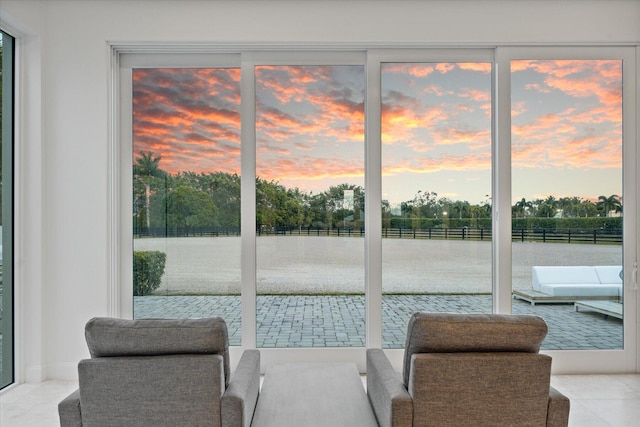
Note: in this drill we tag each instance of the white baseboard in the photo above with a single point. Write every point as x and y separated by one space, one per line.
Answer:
63 371
33 374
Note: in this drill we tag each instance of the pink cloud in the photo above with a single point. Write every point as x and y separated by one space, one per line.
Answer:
445 67
586 135
190 117
449 162
483 67
475 95
472 139
309 168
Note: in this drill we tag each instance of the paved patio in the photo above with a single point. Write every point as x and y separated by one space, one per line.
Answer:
338 320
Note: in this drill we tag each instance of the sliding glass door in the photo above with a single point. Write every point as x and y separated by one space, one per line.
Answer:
310 205
316 199
185 211
568 118
567 170
436 190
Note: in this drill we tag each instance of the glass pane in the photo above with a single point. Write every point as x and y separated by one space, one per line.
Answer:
566 195
436 191
310 206
6 210
186 194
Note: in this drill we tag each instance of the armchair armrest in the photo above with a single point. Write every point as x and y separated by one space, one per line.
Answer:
69 410
241 396
388 396
558 409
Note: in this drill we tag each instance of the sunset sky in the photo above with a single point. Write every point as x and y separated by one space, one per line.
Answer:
436 125
310 125
436 130
567 128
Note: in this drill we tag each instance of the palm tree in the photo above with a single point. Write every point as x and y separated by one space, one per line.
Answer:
521 207
586 208
548 207
462 208
546 210
146 168
568 205
608 204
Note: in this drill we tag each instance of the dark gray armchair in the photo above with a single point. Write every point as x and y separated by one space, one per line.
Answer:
467 369
161 373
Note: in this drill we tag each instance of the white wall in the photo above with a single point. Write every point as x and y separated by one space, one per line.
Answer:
63 153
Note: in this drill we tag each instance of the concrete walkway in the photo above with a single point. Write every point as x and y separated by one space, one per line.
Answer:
338 321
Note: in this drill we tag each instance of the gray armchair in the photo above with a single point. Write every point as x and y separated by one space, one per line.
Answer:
467 369
161 373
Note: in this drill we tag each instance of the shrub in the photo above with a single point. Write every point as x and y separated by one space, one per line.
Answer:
148 269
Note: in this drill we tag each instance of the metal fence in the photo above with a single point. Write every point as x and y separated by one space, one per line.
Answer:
575 235
544 235
185 231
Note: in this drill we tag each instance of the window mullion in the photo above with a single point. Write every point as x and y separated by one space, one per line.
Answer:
248 204
373 202
501 182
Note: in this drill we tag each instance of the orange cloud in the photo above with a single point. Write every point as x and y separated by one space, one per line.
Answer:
445 67
414 70
319 109
578 78
483 67
314 132
475 94
555 149
189 117
309 168
586 133
449 162
472 139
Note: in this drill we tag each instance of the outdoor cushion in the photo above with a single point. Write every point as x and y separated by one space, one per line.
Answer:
581 290
578 275
452 333
609 274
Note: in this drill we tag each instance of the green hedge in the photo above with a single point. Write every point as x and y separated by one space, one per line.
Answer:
148 269
605 223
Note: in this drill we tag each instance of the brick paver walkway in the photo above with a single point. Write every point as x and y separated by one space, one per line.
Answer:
338 320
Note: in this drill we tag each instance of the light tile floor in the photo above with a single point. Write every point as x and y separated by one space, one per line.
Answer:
596 401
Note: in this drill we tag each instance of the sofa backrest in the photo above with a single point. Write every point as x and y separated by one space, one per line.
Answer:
471 333
609 274
568 275
109 337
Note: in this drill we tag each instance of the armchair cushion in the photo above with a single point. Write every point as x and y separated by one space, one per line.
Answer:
480 389
109 337
172 390
453 333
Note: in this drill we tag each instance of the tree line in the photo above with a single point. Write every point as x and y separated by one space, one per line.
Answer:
188 199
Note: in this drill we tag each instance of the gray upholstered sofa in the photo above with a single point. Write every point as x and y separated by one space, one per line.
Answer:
467 369
161 373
